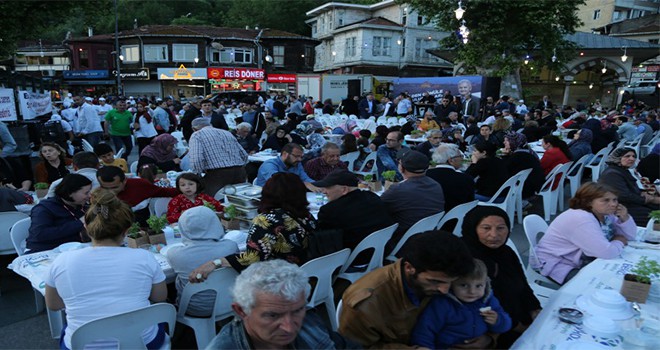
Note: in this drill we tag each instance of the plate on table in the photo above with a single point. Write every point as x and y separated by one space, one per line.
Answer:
166 248
65 247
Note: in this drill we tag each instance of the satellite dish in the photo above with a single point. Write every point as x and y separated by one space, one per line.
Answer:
216 45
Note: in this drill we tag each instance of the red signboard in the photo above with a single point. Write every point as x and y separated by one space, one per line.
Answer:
236 73
281 78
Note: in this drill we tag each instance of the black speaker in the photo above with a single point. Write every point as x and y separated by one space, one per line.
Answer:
354 87
490 87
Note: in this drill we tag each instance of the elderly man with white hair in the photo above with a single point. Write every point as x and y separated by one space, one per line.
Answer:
270 302
246 138
458 187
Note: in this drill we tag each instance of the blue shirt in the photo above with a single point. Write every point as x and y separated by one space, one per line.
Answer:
273 166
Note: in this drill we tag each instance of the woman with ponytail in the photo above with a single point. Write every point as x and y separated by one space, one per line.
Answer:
105 279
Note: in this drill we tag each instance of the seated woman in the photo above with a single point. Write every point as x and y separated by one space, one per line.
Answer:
190 189
581 144
53 165
519 157
59 219
486 230
556 152
649 167
202 238
276 141
491 171
105 279
348 144
618 176
595 226
161 152
280 231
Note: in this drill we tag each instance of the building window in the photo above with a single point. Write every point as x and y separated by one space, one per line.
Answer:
420 20
404 17
102 59
309 55
242 56
654 41
61 60
222 56
382 46
350 47
155 53
596 14
278 55
314 28
184 52
420 49
131 53
83 58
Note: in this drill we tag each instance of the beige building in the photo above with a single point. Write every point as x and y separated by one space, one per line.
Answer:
599 13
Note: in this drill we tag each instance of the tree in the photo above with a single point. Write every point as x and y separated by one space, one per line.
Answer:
503 32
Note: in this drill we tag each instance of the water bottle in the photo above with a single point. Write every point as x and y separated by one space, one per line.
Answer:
319 199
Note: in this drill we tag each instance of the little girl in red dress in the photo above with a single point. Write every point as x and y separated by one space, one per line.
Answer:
190 186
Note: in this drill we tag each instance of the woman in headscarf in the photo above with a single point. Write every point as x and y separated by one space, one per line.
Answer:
618 176
277 140
345 127
519 157
161 152
489 170
581 144
649 167
486 230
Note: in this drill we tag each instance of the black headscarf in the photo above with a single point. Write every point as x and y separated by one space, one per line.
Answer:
469 228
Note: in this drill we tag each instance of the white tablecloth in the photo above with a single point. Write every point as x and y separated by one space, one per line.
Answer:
409 139
548 332
262 156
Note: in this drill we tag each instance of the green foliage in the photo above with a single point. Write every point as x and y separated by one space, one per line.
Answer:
646 269
502 32
209 205
369 178
135 231
157 223
389 175
655 215
41 186
231 212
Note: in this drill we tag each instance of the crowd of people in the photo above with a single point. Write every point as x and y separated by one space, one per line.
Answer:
443 291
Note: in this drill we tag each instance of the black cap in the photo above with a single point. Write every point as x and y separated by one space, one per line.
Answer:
413 161
338 177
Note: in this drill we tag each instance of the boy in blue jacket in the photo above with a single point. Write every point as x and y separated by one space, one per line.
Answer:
467 312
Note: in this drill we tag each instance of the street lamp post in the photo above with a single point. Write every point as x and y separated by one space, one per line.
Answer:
120 91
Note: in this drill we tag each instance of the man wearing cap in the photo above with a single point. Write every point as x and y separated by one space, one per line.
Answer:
319 167
118 125
413 199
386 156
218 154
357 213
102 109
88 120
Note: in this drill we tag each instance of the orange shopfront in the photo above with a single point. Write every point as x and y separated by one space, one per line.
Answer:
235 79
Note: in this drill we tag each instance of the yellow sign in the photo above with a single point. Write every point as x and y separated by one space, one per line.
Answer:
181 73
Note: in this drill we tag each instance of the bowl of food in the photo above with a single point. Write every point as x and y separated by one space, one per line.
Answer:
606 303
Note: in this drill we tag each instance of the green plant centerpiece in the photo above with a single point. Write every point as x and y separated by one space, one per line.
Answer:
230 218
155 231
415 134
372 184
390 178
41 189
136 237
637 284
654 224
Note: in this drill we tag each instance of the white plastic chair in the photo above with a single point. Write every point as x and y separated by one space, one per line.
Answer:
7 220
644 149
509 202
349 159
363 169
158 205
597 162
133 168
19 232
126 328
262 139
543 294
520 185
552 197
635 144
426 224
353 117
221 281
391 121
381 120
178 135
533 225
574 175
87 147
120 153
458 212
402 121
375 241
322 269
340 306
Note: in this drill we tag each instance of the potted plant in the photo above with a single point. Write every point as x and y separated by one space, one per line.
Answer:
390 178
136 237
372 183
230 218
41 189
637 283
655 219
212 207
155 231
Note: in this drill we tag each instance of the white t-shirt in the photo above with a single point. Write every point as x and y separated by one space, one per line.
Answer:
105 108
96 282
146 129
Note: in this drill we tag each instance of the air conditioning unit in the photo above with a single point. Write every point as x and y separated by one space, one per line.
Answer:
48 73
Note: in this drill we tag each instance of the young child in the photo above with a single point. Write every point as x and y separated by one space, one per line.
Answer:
148 172
468 311
190 186
107 156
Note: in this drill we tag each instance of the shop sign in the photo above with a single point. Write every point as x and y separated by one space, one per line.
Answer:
181 73
133 73
85 74
282 78
236 73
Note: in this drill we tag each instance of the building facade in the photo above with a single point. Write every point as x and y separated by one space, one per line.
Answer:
599 13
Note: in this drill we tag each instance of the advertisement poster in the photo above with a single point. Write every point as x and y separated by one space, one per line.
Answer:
34 104
7 105
436 86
